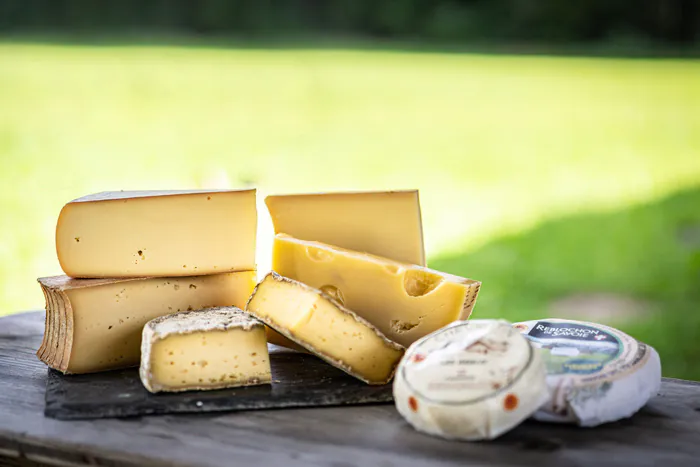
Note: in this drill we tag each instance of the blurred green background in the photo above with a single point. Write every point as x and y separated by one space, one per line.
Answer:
569 185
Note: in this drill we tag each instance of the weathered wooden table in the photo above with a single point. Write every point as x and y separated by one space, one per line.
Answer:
665 432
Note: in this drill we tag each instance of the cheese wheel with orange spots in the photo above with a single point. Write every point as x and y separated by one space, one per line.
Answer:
470 380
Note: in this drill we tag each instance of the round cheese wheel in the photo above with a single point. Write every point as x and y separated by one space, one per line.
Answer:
470 380
595 373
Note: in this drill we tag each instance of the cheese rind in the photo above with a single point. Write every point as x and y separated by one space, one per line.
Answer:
157 233
384 223
471 380
405 302
315 321
95 324
205 349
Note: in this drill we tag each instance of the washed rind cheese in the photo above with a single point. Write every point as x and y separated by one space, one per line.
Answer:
386 223
95 324
322 326
471 380
406 302
157 233
595 374
206 349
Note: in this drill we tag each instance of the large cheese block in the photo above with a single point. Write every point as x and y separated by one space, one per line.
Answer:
404 301
471 380
157 233
316 322
95 324
212 348
386 223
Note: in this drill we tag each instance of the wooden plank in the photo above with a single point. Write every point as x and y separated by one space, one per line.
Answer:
666 431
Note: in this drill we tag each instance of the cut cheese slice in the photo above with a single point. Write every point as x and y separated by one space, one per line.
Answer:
470 380
405 302
386 223
315 321
157 233
206 349
95 324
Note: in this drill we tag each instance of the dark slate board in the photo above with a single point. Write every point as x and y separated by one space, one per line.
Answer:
298 380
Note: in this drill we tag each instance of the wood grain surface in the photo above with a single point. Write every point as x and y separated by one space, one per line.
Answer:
665 432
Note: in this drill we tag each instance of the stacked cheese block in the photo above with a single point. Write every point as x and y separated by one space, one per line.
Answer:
349 285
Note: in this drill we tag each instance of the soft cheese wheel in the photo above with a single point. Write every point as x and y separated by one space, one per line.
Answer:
470 380
596 374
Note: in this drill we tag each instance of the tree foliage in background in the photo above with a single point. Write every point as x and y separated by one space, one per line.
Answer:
675 21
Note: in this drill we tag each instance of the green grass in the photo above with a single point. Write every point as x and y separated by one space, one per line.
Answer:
529 167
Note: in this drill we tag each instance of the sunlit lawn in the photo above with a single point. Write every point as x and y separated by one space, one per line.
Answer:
496 144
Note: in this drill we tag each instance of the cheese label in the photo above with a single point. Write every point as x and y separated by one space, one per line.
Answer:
449 368
470 380
595 373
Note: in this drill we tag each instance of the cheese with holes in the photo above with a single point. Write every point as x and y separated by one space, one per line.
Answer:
596 374
315 321
471 380
404 301
157 233
212 348
95 324
384 223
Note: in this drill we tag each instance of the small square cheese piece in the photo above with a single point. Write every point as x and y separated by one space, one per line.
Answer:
318 323
384 223
157 233
406 302
95 324
212 348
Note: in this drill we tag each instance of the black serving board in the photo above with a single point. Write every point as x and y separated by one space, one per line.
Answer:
298 380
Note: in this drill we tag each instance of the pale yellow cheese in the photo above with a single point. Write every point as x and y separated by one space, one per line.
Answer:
157 233
386 223
316 322
95 324
204 349
405 302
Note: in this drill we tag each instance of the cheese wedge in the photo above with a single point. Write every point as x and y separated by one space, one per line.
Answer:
157 233
206 349
315 321
95 324
386 223
403 301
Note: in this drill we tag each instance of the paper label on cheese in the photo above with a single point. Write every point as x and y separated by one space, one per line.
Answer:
596 373
470 380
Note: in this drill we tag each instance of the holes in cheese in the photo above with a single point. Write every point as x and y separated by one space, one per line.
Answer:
418 282
157 233
205 349
318 323
404 301
95 324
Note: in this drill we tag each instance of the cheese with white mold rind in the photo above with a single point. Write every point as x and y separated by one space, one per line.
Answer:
206 349
316 322
157 233
406 302
471 380
384 223
596 374
95 324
